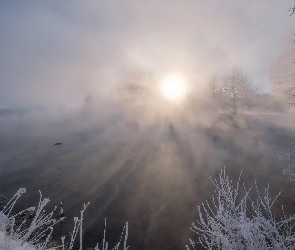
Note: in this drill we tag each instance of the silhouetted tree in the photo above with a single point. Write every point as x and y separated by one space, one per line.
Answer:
292 10
137 84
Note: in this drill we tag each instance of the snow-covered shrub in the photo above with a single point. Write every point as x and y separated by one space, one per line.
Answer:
19 235
230 222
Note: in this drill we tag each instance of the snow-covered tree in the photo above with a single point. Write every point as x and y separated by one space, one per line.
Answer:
282 76
238 92
231 222
233 93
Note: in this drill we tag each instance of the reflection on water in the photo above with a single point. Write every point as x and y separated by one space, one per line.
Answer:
152 176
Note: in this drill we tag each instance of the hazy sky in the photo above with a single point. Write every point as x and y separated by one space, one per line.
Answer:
57 52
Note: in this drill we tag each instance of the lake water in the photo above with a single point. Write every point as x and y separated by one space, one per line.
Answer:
152 176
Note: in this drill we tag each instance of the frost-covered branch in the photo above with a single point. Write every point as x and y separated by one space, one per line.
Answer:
105 244
230 222
39 232
40 228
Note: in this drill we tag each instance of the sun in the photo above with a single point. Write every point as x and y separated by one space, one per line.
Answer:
174 87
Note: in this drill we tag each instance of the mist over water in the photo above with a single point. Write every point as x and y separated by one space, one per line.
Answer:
150 167
89 75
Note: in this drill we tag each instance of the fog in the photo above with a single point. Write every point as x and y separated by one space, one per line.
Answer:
57 53
88 75
139 162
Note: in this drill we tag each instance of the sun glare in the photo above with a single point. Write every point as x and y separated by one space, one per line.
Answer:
174 87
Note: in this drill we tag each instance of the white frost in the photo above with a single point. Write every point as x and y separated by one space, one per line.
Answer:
230 222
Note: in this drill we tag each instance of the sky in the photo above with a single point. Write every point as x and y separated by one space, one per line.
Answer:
55 53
